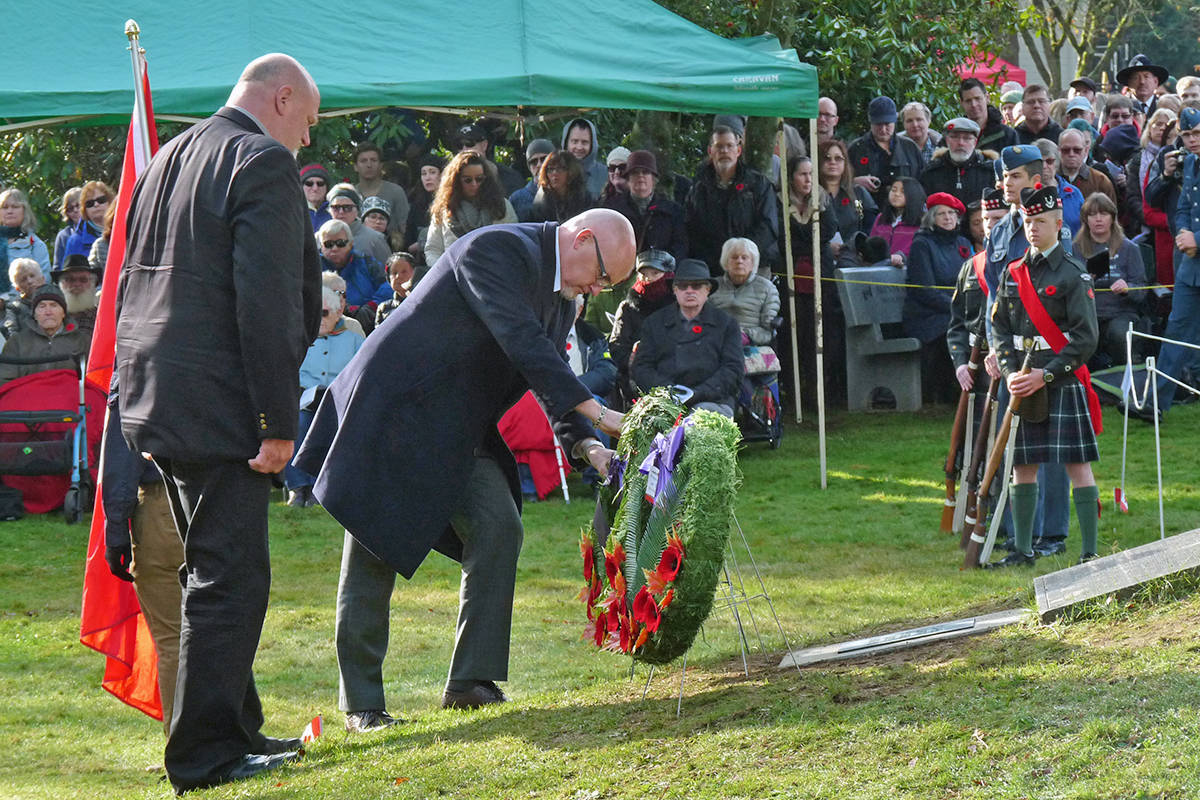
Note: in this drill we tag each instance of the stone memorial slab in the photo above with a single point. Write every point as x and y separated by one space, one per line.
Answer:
899 640
1120 574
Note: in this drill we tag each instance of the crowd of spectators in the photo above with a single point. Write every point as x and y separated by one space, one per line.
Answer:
906 191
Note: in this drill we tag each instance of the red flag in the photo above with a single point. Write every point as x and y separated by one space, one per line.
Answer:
1119 499
112 621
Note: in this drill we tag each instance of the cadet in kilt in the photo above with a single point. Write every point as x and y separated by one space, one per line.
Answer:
1046 298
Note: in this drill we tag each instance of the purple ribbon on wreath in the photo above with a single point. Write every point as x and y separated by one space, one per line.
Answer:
616 472
661 460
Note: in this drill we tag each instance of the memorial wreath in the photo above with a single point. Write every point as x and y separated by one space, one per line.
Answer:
654 552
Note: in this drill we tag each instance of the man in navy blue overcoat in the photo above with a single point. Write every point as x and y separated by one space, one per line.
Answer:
406 450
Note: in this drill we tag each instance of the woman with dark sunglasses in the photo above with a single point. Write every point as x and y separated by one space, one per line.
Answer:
94 199
469 197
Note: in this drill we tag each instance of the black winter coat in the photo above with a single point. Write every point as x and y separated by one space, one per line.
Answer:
703 354
868 158
662 227
745 208
965 181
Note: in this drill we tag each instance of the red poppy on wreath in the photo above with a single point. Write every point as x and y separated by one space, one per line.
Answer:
864 161
696 329
740 186
1050 290
599 630
845 201
646 610
669 564
963 251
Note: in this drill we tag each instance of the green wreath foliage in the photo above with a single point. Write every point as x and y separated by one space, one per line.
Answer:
651 570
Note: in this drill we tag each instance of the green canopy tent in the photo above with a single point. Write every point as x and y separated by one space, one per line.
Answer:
418 53
425 54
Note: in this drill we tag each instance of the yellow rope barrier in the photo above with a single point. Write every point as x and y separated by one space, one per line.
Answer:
949 288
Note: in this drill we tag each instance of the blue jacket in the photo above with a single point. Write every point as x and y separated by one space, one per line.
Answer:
935 260
320 215
1187 217
81 238
328 356
599 370
522 200
364 279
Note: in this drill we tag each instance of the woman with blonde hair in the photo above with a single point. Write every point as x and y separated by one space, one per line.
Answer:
17 236
94 199
468 197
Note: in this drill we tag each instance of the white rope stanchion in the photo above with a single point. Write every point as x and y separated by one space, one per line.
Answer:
1129 395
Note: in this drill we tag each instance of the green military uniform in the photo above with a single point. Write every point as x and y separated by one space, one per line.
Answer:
967 307
1065 434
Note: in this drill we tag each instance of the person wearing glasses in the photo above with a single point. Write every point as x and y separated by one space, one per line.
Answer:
345 205
366 287
617 181
328 355
71 212
692 347
17 226
562 189
315 180
94 198
469 197
408 457
522 199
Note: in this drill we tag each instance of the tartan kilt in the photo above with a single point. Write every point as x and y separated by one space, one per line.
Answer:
1065 437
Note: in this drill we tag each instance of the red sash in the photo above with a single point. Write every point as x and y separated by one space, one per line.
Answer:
978 263
1053 336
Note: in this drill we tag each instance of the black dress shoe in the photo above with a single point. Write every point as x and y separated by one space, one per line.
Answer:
247 766
483 693
1014 559
1086 557
1145 413
1049 547
272 746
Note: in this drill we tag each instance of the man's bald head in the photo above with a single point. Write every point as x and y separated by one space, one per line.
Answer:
280 93
580 237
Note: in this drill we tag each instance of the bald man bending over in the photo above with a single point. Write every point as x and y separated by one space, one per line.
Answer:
408 456
219 299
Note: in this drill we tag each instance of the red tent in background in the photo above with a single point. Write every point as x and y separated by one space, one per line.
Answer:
991 69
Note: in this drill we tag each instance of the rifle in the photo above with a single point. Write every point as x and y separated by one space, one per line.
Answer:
979 533
977 455
957 433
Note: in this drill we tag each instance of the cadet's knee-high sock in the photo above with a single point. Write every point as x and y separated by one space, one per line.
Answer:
1023 497
1087 508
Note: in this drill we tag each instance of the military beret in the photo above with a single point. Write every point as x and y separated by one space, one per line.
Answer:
1018 155
993 200
1039 200
962 125
1189 118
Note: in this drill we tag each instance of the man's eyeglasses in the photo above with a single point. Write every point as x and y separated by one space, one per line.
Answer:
602 279
96 201
314 182
336 242
343 208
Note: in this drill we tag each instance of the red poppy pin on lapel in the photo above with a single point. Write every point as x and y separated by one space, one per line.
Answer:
1050 290
696 329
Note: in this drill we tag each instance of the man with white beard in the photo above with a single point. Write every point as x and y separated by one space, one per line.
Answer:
958 168
78 281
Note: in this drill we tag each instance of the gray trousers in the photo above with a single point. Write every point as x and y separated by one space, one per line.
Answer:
489 525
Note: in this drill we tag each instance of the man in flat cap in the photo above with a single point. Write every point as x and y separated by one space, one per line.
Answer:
958 167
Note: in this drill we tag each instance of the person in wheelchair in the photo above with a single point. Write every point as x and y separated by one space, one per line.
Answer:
748 297
647 295
51 335
1116 305
691 347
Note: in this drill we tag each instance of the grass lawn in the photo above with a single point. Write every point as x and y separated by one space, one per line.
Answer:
1107 706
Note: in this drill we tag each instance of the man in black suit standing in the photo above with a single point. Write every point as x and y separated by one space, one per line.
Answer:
219 300
407 452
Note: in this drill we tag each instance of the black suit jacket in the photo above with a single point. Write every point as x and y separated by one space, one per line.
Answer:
394 438
220 295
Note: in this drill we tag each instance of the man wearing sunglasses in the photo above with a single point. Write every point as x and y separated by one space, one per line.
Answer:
406 451
315 180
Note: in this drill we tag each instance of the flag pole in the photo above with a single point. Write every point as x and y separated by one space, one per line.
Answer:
137 57
818 312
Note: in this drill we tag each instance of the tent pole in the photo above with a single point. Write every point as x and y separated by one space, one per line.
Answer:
790 286
817 290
